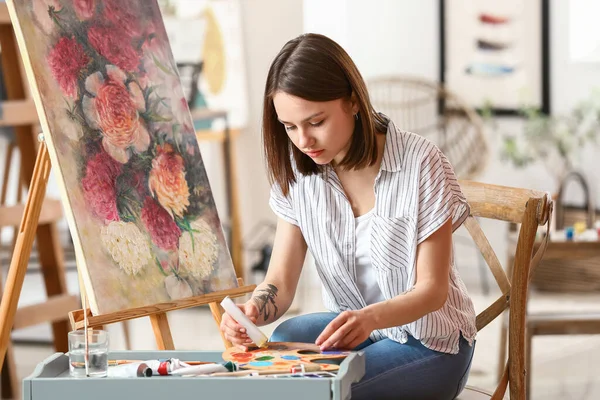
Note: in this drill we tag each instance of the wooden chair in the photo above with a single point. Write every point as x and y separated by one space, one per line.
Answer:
530 209
568 268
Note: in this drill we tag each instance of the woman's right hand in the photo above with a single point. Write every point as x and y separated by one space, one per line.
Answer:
235 332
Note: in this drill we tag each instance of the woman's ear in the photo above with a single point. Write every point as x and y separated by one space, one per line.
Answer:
354 104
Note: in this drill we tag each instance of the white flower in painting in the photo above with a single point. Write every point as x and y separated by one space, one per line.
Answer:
127 245
177 288
198 250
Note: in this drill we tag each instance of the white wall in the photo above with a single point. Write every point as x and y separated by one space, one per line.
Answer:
381 36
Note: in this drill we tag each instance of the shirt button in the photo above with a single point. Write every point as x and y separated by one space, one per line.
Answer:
348 246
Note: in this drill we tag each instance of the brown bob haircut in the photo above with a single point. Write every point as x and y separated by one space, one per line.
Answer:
315 68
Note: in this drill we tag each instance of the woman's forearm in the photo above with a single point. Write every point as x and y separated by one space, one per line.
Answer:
406 308
272 301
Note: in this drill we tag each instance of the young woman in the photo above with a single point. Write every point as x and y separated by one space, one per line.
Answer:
377 207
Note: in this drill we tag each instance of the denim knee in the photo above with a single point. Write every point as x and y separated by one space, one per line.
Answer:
283 332
303 328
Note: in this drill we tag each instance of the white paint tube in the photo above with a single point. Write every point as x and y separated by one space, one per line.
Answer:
252 330
132 370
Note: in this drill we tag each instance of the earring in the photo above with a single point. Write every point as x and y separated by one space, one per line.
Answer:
356 116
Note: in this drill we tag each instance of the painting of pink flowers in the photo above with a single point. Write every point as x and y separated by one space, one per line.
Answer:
136 193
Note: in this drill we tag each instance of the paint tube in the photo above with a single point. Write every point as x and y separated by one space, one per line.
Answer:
206 369
252 330
166 366
132 370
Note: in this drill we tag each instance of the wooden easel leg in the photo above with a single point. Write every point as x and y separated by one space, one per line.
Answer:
10 380
126 335
20 258
217 312
48 245
162 332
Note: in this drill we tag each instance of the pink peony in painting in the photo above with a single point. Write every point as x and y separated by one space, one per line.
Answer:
136 194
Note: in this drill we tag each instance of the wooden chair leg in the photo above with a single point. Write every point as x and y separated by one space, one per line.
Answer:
528 353
502 345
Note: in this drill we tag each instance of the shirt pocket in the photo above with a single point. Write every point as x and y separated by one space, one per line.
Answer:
393 244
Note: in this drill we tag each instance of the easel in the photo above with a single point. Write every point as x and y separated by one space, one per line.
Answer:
158 314
19 112
24 243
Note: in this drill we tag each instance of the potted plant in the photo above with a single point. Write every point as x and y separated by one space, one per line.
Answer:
555 140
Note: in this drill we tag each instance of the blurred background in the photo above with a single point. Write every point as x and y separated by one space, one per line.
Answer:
508 90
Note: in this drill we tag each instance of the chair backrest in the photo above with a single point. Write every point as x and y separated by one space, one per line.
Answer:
427 108
530 209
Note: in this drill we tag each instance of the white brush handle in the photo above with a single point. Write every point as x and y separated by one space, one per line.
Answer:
252 330
200 369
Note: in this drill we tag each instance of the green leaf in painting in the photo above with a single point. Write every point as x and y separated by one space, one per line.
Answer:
160 268
161 66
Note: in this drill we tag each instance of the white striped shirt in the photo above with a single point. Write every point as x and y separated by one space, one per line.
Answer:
416 192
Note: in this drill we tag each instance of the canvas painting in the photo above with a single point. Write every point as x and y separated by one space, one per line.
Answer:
122 144
496 53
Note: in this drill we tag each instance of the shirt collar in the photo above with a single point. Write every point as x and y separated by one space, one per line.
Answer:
393 150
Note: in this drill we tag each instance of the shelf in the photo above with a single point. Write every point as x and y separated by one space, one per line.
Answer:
18 112
4 16
210 135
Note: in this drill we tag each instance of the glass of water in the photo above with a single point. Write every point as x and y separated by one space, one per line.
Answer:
97 342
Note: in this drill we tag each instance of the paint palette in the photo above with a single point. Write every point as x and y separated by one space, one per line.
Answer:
282 356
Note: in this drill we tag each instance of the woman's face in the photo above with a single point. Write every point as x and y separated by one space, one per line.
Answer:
321 130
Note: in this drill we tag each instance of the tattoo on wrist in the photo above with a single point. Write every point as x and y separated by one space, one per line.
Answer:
265 300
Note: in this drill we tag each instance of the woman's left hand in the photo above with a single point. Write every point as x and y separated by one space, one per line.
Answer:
346 331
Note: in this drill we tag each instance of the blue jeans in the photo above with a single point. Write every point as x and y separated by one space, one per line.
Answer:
393 370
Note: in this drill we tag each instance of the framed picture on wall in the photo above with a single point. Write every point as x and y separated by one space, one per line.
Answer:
495 54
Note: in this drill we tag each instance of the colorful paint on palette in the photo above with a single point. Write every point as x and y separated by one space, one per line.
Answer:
260 363
284 356
264 358
241 357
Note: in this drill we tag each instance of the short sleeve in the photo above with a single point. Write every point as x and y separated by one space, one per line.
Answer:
440 196
282 205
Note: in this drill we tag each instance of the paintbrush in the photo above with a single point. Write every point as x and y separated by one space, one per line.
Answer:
256 372
244 372
113 363
119 362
